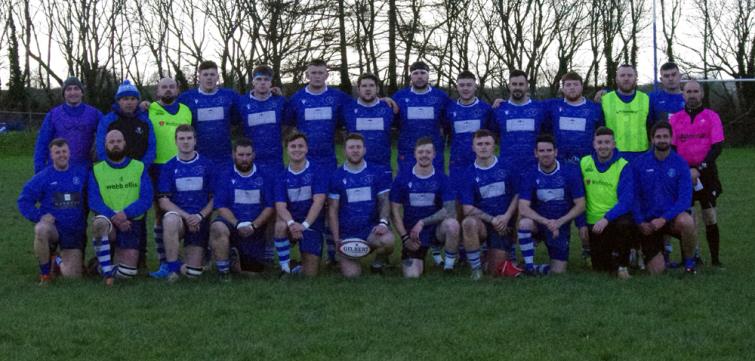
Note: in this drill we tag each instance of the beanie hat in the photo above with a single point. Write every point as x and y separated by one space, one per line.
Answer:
419 65
127 89
72 81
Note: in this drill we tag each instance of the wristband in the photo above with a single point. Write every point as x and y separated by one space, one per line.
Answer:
290 222
254 228
240 225
305 224
384 222
404 239
201 217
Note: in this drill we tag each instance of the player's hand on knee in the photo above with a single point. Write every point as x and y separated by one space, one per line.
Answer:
124 226
416 230
600 226
380 229
48 218
297 234
646 228
584 234
553 226
658 223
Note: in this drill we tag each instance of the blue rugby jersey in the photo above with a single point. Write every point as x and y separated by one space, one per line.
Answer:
245 196
552 195
573 126
188 184
663 104
661 188
518 127
357 193
317 116
60 193
490 189
262 121
212 116
297 188
462 121
420 196
374 123
420 115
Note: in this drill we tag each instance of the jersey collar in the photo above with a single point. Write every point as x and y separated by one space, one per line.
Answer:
582 102
529 101
414 171
199 89
254 170
495 161
306 166
558 167
413 90
346 168
476 100
367 105
192 160
306 89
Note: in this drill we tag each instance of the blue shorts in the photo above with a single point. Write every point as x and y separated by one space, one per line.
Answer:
311 243
252 248
132 238
71 239
199 238
558 248
497 241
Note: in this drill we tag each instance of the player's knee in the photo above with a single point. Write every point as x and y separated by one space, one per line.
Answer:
526 224
219 230
469 224
684 222
171 222
100 226
450 226
42 229
709 216
281 228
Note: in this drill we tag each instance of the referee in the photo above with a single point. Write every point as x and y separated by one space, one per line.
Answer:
698 137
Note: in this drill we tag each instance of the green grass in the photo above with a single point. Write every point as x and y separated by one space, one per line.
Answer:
579 316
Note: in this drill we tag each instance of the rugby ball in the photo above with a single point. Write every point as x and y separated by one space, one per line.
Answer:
354 248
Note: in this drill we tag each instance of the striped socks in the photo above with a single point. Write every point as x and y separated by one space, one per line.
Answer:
437 257
450 260
528 249
102 251
474 259
223 266
283 247
125 272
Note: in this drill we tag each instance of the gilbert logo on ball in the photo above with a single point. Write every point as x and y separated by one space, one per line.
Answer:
354 248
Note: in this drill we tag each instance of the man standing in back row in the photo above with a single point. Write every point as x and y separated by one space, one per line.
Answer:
626 112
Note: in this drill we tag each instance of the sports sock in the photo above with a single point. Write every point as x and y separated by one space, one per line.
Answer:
437 257
474 259
283 247
174 266
194 272
714 241
668 248
450 260
542 269
125 272
689 262
528 249
102 251
159 244
44 268
223 266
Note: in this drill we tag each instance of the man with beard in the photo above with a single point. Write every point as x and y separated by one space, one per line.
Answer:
424 210
698 137
368 116
668 99
185 196
166 114
626 111
518 122
133 124
73 121
662 194
244 201
120 193
551 195
359 207
60 218
421 109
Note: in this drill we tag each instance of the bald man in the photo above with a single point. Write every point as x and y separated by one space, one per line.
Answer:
166 114
119 194
698 137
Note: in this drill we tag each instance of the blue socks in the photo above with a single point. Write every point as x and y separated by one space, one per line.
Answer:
528 250
283 247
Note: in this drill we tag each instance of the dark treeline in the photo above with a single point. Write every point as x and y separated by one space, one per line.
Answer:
103 41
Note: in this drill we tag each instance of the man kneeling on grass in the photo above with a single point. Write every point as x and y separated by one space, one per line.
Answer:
120 193
60 219
428 206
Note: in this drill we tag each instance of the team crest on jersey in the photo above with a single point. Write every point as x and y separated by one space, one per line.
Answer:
506 112
162 123
588 181
76 180
671 173
233 181
307 178
139 130
410 184
537 181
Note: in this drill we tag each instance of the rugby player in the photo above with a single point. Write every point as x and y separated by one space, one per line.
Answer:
299 199
73 121
663 192
244 201
359 206
489 200
423 200
372 118
551 195
668 99
609 196
420 115
627 112
60 218
698 137
120 193
185 196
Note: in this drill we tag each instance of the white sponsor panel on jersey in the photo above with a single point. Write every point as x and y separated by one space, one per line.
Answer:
300 194
210 114
491 190
370 124
187 184
550 194
571 123
256 119
520 125
467 126
360 194
320 113
246 196
420 113
421 199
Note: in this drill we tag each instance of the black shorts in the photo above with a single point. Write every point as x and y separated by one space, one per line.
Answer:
653 244
711 188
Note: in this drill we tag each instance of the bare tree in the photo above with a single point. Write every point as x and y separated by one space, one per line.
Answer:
671 15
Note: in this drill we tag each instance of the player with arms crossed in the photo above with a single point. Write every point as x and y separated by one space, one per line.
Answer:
489 200
60 218
429 208
299 198
185 195
551 195
359 207
244 201
120 193
371 118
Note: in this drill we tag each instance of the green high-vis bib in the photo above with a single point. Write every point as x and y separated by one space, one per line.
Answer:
164 125
627 120
600 187
119 187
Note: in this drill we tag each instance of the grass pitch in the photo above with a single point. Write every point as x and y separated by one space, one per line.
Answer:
578 316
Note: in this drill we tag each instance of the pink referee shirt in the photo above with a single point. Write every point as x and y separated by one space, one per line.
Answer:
693 140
